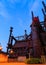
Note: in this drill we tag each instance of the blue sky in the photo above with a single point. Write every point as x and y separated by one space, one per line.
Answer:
17 13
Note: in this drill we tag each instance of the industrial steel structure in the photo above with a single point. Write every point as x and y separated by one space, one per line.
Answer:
32 45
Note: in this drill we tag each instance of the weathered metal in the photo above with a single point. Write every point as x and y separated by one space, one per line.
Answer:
32 45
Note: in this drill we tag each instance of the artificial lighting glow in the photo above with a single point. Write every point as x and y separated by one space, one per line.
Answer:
0 47
11 51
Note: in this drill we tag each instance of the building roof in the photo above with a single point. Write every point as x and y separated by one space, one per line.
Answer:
23 43
3 52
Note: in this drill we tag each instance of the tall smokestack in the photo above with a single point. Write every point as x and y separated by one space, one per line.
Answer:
35 37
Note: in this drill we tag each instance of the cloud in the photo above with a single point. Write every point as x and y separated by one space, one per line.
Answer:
12 3
35 6
3 11
15 1
20 22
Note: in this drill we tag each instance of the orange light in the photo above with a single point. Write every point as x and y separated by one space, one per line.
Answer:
0 47
11 51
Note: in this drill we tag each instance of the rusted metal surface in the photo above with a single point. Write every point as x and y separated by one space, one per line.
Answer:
32 43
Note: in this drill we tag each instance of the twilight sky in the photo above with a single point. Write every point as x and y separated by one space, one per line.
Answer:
17 13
